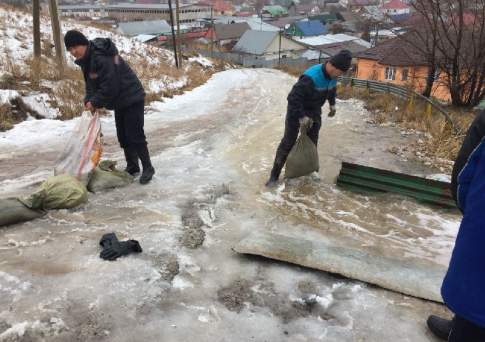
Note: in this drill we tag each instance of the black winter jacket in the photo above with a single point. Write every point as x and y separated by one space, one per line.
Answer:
474 136
309 94
110 82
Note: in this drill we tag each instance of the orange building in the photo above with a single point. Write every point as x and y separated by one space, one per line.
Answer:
397 62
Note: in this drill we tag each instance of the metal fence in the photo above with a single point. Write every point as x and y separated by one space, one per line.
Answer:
399 91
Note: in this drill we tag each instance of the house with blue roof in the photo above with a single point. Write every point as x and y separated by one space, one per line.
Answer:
307 28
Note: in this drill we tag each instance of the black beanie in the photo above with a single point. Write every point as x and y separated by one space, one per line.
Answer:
342 60
75 38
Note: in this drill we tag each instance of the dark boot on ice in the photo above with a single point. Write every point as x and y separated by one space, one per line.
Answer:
275 172
440 327
131 158
148 170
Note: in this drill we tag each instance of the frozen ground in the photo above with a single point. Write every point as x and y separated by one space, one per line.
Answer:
213 148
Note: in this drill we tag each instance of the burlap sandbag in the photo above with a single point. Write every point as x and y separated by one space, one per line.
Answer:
13 211
303 157
58 192
106 176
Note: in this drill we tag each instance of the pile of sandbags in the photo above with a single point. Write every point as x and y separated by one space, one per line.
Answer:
76 171
62 192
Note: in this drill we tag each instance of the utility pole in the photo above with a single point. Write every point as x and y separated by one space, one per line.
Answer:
36 22
213 31
35 71
177 12
174 42
56 33
279 48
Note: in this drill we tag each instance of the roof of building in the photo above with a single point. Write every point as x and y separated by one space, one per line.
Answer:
255 23
150 27
314 55
394 52
276 10
282 22
255 42
231 31
333 49
311 27
331 39
395 4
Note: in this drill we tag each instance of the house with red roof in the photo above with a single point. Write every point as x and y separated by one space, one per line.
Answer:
396 7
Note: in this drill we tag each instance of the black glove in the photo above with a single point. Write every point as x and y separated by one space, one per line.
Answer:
332 112
113 249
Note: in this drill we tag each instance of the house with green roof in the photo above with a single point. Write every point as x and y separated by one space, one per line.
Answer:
275 11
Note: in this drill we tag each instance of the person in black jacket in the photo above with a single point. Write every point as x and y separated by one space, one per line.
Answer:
460 329
305 100
112 84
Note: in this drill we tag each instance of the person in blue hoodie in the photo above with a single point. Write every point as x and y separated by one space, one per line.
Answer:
112 84
463 289
305 100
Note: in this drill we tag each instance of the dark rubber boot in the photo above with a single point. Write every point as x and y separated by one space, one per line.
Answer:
131 158
275 172
148 170
440 327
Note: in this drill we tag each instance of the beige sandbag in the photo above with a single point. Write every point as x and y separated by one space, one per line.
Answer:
107 176
303 157
13 211
58 192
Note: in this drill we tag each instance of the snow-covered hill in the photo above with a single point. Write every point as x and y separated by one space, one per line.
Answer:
22 97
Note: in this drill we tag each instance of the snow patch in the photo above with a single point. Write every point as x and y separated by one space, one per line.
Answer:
39 103
6 96
440 177
202 61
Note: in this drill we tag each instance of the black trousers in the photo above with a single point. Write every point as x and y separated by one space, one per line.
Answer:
466 331
292 128
129 125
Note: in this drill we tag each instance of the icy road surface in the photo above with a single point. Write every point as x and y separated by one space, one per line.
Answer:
212 149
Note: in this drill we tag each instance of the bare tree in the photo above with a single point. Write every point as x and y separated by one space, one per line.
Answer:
450 34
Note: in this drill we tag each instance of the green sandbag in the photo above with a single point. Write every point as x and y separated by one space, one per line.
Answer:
107 176
13 211
58 192
303 157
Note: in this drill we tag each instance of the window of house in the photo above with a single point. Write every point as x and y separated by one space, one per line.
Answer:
390 73
405 74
